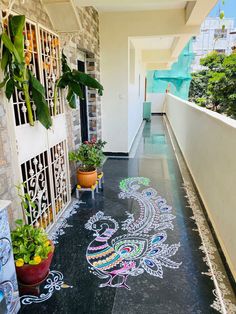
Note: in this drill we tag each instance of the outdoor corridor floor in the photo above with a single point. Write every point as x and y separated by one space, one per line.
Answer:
135 248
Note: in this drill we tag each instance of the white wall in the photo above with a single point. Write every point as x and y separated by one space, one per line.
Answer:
121 70
136 89
121 114
114 78
208 143
157 100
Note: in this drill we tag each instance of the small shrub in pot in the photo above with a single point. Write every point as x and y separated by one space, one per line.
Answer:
90 157
33 253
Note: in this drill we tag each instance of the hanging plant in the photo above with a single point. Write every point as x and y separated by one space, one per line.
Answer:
15 63
73 80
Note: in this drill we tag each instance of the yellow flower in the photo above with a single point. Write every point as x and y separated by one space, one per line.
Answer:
37 260
78 187
47 243
19 262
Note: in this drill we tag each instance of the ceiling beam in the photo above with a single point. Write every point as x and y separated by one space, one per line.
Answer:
197 11
178 45
148 23
157 66
157 56
125 3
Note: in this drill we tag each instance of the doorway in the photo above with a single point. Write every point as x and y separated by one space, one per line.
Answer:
83 106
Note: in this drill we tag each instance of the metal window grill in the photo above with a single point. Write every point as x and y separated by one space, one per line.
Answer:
50 54
32 61
58 155
35 174
43 165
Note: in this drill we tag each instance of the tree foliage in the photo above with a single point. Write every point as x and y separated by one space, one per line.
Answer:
198 88
215 86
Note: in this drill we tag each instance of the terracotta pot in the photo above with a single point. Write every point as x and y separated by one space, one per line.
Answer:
33 274
86 179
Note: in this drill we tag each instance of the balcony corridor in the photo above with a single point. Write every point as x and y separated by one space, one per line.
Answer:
147 256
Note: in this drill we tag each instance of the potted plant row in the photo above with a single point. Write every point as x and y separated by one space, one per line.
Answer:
90 158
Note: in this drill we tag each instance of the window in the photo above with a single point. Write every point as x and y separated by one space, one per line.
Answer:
220 50
220 33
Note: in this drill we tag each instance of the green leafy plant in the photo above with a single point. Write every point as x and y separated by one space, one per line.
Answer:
30 245
18 75
89 155
98 144
26 201
198 87
73 80
201 101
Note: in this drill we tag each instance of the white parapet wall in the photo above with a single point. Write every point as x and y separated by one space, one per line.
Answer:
208 143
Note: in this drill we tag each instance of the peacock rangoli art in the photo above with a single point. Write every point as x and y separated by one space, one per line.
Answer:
142 247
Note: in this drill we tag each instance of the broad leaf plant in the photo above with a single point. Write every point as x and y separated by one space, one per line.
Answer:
73 80
17 74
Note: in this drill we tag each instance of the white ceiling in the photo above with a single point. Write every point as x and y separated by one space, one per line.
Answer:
153 43
132 5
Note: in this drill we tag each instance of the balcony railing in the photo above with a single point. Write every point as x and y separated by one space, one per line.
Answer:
208 143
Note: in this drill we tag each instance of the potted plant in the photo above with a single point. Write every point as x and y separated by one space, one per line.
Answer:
33 253
99 146
90 157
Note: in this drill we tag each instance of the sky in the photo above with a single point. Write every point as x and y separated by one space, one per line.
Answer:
229 8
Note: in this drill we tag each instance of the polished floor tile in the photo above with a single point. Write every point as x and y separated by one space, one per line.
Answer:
107 266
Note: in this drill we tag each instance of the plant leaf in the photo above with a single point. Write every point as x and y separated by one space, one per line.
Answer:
5 58
76 89
36 85
10 86
65 67
19 222
10 46
26 258
71 98
64 80
42 110
17 24
2 84
87 80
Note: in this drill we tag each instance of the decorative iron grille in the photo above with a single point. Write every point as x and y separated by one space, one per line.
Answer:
50 54
35 174
45 175
60 184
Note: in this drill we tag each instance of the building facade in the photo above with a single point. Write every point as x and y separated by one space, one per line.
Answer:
213 37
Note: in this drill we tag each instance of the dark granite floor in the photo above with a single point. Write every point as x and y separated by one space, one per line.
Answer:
183 289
